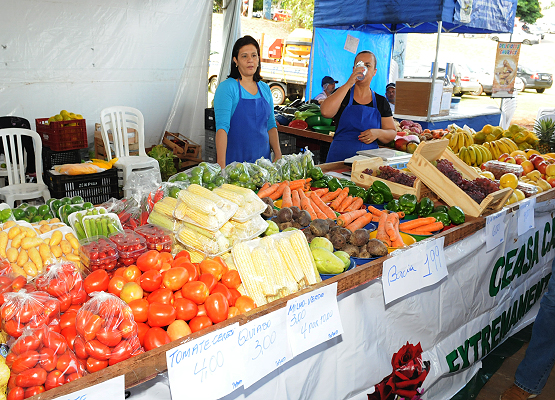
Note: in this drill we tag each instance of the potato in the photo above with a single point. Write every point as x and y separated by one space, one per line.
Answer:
3 243
44 251
27 242
22 258
18 270
43 222
56 238
72 240
12 254
66 247
9 225
30 268
45 229
73 257
56 251
54 220
30 232
14 231
16 241
34 255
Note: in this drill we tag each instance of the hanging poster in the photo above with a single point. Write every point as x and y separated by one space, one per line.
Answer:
506 64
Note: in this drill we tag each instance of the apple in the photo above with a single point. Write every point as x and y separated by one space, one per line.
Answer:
510 160
551 180
537 160
503 157
527 166
541 166
401 144
519 159
550 170
531 158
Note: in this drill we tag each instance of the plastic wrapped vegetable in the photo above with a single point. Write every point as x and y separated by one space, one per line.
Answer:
106 332
63 281
307 161
273 172
41 360
211 175
258 175
235 173
23 309
283 166
295 166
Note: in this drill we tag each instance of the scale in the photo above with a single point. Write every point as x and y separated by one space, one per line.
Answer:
394 158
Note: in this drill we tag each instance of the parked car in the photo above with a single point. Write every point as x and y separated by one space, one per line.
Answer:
257 14
534 79
281 15
517 36
485 77
533 29
464 82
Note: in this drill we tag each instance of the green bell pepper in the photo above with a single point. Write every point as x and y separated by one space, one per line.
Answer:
457 215
321 183
441 217
393 205
407 203
441 208
381 187
346 182
425 207
315 173
361 193
377 198
368 198
334 184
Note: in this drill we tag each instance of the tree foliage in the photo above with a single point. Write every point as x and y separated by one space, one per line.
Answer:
528 11
303 12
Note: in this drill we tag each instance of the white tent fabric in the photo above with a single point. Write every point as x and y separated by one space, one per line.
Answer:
232 22
87 55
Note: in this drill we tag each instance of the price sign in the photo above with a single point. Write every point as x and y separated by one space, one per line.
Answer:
313 318
526 216
110 389
206 368
413 269
495 230
264 345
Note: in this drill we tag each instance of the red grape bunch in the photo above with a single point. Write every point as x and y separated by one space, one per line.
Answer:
394 175
477 189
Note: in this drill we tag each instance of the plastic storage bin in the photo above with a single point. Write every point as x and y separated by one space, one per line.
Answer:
98 253
51 158
63 135
95 188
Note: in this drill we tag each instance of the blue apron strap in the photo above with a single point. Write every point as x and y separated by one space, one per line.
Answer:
351 97
239 84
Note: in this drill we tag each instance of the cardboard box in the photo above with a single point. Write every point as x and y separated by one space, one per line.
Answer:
412 97
132 134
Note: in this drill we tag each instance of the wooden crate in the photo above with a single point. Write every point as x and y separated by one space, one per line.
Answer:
420 164
182 147
397 190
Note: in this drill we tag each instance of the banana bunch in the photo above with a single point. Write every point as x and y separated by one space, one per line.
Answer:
475 155
500 146
459 138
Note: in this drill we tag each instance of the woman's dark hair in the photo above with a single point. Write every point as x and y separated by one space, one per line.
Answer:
369 52
241 42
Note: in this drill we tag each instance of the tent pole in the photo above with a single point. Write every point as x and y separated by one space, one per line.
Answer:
311 69
434 72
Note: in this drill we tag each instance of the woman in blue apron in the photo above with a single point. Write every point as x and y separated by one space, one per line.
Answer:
362 117
245 124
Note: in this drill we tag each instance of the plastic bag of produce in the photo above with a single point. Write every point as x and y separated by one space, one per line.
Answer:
284 168
22 309
259 176
41 360
211 175
273 172
11 282
236 173
250 205
172 189
144 188
209 243
295 166
62 280
106 332
237 232
307 161
113 205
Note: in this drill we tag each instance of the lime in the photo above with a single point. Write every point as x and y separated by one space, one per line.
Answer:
210 186
77 200
182 177
197 171
207 176
5 214
43 209
48 216
243 178
174 192
203 165
18 214
251 186
37 218
196 180
31 211
25 219
3 165
234 174
66 200
87 205
219 181
49 201
23 205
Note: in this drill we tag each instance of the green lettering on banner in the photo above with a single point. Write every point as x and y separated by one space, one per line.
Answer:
474 344
450 358
522 306
517 271
485 340
463 351
505 322
531 297
508 267
529 256
514 314
494 331
546 230
536 249
493 286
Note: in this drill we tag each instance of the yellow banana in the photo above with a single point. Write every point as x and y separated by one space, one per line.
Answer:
453 142
478 154
495 150
460 140
511 144
463 154
472 154
489 156
469 137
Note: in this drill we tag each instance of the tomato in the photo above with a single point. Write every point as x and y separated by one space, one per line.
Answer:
132 274
74 308
97 281
196 291
234 296
31 377
164 296
245 304
201 310
94 365
66 364
69 333
54 379
25 361
142 328
208 266
220 288
48 359
10 358
231 279
25 344
178 329
13 328
209 280
79 348
155 337
183 253
119 272
175 278
87 323
166 257
55 342
96 349
216 307
16 393
68 319
185 309
232 312
151 280
32 391
109 336
165 267
191 269
65 301
74 376
149 260
177 295
160 314
116 285
121 352
131 291
198 323
128 328
221 261
140 310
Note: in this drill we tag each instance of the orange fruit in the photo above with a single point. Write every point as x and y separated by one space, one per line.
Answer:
508 180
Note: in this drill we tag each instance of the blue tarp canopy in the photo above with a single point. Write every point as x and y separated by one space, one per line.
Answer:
342 28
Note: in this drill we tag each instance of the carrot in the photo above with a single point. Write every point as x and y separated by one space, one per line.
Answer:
375 211
381 234
317 210
299 183
355 205
347 218
321 192
418 232
286 198
322 206
339 199
436 226
360 222
392 230
265 186
415 223
400 214
296 199
345 203
279 191
305 204
268 190
330 196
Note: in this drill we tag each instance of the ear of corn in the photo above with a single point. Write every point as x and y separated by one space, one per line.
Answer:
291 261
166 206
198 203
161 220
245 265
209 246
234 197
301 249
207 194
210 222
265 271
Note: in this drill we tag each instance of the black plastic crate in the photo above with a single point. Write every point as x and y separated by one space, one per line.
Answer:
51 158
210 153
209 119
209 138
287 143
96 188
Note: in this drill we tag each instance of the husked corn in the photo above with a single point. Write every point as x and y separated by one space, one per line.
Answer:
198 203
302 251
245 266
290 258
264 269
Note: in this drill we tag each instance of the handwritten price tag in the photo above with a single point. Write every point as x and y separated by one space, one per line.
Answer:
495 230
207 367
264 345
413 269
526 216
313 318
110 389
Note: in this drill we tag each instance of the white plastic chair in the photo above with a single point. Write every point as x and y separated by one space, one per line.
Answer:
117 120
18 189
545 113
508 108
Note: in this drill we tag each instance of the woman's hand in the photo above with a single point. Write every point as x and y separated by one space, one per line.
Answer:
357 72
368 136
277 157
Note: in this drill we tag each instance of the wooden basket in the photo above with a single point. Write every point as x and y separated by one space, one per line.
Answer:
397 190
182 147
420 165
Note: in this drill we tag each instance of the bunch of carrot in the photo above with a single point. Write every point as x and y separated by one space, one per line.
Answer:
421 226
388 230
309 201
342 202
276 190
